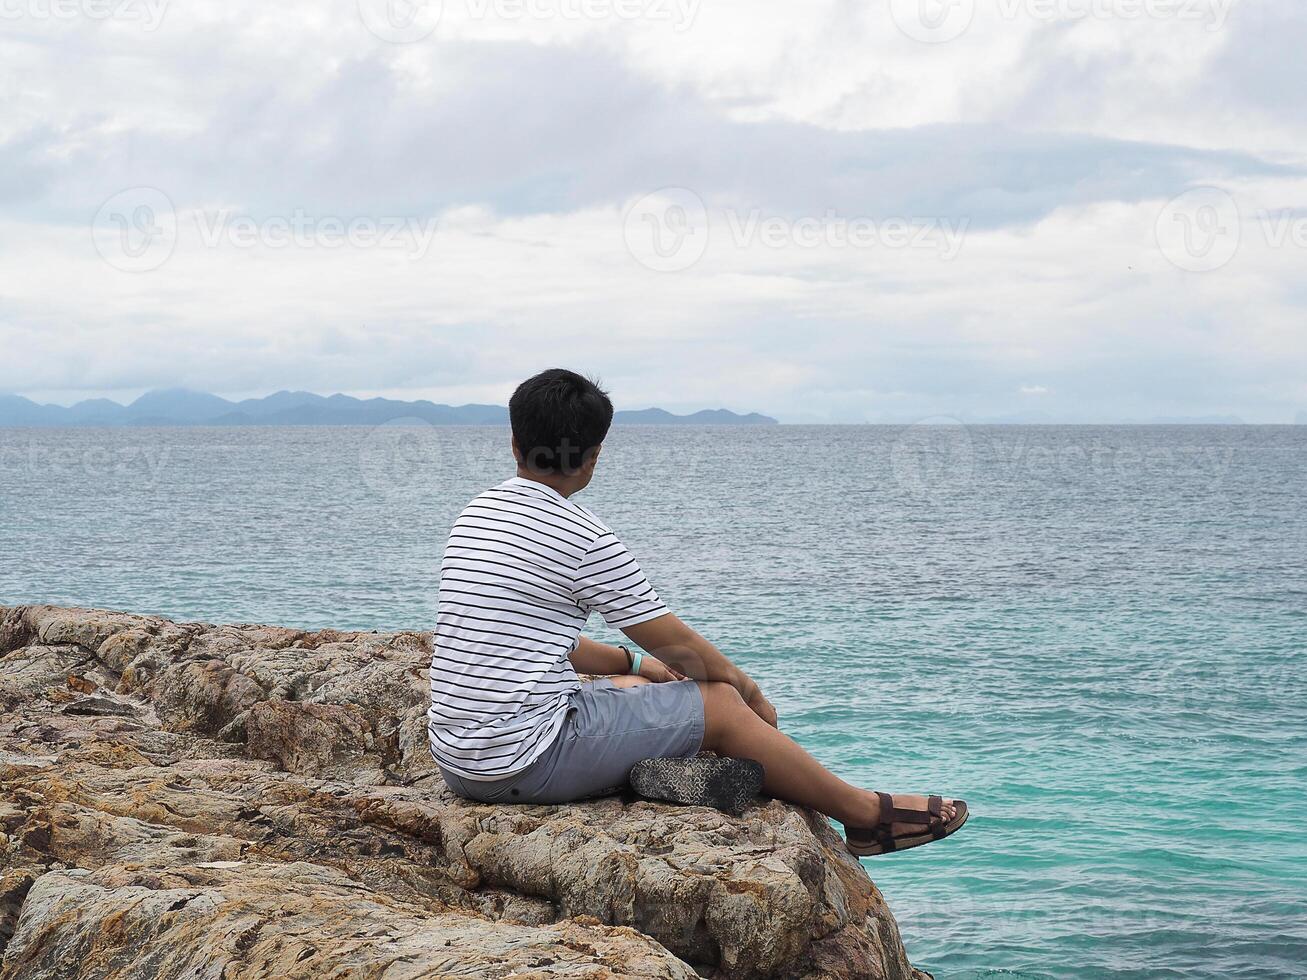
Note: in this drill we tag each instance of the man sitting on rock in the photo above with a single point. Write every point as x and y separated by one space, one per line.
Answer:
511 722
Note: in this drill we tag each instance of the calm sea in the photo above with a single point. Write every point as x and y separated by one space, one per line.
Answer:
1096 635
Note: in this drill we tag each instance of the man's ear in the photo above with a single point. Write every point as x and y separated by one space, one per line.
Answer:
517 452
592 458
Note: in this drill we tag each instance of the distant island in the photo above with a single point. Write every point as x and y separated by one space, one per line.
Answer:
181 406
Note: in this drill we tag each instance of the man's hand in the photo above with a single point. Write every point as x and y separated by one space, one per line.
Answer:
668 637
651 668
762 707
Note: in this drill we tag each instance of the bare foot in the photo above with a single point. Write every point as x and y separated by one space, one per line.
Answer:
927 819
907 801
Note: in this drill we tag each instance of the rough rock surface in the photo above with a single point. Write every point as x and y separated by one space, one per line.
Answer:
189 800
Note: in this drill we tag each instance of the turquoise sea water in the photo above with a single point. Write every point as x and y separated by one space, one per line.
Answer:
1096 635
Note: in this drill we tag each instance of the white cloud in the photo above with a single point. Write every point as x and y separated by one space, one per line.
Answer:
1041 154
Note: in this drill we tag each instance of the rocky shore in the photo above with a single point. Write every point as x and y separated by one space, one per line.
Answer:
199 801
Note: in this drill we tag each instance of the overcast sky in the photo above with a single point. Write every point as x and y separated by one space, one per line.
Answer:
826 211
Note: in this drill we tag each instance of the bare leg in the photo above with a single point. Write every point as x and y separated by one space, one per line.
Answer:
732 729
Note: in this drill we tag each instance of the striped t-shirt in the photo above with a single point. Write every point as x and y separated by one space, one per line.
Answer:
523 569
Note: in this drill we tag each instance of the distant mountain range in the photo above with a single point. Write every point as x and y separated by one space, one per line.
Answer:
180 406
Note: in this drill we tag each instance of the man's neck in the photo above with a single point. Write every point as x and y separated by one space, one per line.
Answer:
563 485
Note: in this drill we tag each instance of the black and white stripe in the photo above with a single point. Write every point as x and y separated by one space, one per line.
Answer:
522 572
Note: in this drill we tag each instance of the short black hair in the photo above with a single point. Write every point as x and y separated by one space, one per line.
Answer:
558 419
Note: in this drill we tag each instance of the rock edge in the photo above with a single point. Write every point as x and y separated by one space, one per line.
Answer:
195 800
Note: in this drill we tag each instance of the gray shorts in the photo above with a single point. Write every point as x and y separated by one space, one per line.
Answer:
607 730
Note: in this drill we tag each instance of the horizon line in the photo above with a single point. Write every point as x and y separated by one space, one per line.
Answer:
934 419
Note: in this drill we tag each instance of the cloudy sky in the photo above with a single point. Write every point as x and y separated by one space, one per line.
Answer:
828 211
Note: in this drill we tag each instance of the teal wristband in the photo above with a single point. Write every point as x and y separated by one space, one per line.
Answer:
637 658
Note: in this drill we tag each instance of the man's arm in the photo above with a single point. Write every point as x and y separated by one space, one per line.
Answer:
683 649
592 657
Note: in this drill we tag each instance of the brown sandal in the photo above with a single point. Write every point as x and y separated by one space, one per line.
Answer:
869 841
